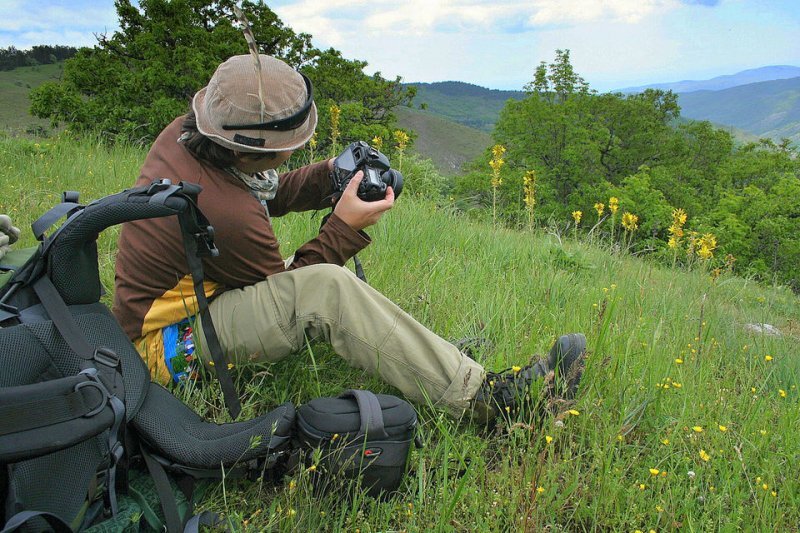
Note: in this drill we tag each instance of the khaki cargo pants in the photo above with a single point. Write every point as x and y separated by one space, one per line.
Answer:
271 320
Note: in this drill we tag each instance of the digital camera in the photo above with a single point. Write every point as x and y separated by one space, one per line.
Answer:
378 174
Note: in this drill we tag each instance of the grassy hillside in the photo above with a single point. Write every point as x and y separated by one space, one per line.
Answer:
448 144
464 103
768 109
14 88
684 419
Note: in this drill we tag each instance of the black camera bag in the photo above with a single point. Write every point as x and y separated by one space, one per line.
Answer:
359 434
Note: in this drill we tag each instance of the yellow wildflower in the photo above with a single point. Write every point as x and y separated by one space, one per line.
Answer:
498 150
577 215
630 221
548 438
723 428
704 456
697 429
665 442
377 142
613 205
642 486
782 393
765 486
401 138
539 490
707 244
655 471
516 369
600 208
678 361
768 358
574 412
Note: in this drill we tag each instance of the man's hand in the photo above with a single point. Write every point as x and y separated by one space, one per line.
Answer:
357 213
8 234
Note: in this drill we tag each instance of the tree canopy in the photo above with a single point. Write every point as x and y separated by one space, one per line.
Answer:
134 82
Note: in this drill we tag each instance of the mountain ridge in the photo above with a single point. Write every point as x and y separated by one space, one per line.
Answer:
726 81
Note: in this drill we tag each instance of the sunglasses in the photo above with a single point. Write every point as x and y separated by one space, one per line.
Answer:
285 124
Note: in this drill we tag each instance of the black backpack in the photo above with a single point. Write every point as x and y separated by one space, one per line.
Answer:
78 411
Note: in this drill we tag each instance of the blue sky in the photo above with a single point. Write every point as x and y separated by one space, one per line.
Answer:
497 44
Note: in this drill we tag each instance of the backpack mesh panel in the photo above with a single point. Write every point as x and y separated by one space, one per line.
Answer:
23 358
177 433
55 483
100 329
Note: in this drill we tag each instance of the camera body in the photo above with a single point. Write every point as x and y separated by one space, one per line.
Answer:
378 174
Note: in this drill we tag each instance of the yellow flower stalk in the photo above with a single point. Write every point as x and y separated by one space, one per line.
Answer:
496 163
377 142
336 113
613 205
676 229
577 215
630 221
529 194
401 138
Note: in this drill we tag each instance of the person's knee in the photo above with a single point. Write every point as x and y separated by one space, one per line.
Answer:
327 275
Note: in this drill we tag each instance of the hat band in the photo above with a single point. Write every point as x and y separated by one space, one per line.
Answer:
285 124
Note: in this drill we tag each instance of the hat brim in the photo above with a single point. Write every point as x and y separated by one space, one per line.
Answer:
275 141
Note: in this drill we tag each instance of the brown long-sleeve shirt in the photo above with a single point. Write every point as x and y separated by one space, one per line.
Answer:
152 284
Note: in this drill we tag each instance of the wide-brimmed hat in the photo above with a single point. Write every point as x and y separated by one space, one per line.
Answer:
237 112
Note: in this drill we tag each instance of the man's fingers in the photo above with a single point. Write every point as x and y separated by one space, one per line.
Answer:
352 187
387 202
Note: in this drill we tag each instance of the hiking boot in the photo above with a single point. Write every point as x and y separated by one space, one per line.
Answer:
506 391
566 358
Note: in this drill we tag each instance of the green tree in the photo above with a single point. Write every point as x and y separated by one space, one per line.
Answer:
131 84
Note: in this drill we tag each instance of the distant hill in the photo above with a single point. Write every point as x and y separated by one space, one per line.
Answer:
14 88
465 103
745 77
767 109
448 144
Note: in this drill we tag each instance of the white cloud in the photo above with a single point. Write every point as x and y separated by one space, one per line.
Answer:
325 18
570 12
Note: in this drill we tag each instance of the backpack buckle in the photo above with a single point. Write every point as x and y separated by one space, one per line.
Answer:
106 356
205 242
159 185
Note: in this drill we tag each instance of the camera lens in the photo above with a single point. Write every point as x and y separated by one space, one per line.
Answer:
393 179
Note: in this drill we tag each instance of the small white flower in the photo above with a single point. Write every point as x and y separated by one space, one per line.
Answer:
691 474
559 423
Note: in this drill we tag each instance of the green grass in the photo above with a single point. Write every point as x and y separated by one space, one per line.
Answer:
15 86
522 289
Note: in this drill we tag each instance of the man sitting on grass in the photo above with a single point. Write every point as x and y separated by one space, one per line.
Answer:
243 125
